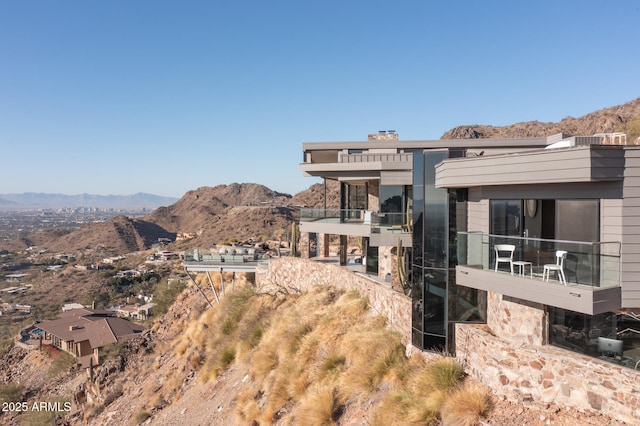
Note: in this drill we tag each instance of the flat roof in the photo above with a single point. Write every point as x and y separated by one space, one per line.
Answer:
431 144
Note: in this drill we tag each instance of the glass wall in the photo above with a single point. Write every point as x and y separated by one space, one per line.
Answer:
557 221
437 302
357 197
612 336
391 199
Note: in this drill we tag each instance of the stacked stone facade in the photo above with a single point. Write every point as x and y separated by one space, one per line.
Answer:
293 275
509 353
511 356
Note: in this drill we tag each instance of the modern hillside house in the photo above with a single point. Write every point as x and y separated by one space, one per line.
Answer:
549 225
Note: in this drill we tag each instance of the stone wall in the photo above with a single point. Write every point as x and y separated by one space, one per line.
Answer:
305 245
511 356
518 320
293 274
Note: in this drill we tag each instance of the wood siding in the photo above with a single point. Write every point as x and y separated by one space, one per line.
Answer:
396 177
629 215
587 164
477 212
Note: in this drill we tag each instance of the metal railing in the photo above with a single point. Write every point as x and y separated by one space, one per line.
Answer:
380 222
595 264
390 223
335 215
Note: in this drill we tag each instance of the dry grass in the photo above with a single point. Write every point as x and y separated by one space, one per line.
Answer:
311 355
465 407
444 374
320 406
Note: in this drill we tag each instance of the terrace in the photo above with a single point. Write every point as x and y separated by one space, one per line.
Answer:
383 228
586 279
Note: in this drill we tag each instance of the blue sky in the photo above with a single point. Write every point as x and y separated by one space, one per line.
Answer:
119 97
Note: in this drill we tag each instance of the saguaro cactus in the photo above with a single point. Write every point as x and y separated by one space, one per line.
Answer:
401 264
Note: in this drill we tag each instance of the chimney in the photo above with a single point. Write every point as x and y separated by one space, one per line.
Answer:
384 135
93 305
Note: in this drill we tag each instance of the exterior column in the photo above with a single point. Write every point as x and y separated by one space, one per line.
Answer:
343 250
323 245
305 245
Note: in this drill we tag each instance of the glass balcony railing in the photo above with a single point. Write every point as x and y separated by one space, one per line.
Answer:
335 215
595 264
380 222
390 223
223 254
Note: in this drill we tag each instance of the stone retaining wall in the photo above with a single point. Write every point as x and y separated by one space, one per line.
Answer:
293 274
521 371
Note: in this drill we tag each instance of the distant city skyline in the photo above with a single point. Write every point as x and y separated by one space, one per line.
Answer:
160 97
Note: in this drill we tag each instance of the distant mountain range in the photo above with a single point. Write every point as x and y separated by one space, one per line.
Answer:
33 200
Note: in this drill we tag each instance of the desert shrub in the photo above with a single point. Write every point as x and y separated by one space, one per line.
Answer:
165 294
401 407
111 350
334 362
320 407
298 335
141 417
60 365
465 407
11 392
443 374
227 357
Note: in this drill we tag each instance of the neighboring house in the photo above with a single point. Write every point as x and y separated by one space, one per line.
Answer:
453 201
135 311
82 332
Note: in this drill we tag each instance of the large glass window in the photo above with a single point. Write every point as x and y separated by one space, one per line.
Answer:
435 214
391 199
357 197
506 217
613 337
435 293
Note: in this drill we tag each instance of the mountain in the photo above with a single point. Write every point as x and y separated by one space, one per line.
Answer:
33 200
116 236
236 211
314 196
621 118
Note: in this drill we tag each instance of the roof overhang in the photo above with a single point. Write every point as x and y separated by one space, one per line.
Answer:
593 163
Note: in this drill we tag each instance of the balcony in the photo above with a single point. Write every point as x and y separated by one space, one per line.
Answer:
384 229
591 271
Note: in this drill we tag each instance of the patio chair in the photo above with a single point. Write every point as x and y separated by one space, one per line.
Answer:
561 255
502 250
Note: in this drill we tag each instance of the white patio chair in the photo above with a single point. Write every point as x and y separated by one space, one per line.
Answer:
561 255
502 250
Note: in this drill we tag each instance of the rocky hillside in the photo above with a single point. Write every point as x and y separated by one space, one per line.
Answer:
620 118
118 235
221 212
213 214
262 359
315 195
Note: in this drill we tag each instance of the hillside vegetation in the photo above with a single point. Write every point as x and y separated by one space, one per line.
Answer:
317 358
